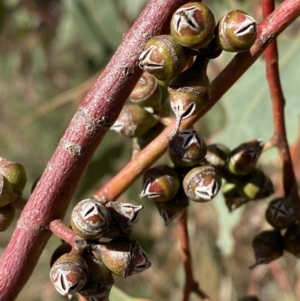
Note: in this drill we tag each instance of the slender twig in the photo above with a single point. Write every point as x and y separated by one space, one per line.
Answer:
268 30
96 114
278 104
190 286
65 233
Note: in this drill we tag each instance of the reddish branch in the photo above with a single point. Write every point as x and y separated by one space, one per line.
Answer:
191 286
97 112
268 30
278 104
95 115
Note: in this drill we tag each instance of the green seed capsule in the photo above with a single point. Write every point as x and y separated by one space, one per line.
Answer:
133 121
147 93
281 213
255 185
160 183
232 198
193 25
6 192
14 173
236 31
243 159
163 57
187 148
268 246
190 91
123 256
202 184
7 214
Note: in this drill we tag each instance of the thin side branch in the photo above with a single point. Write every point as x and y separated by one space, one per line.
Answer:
190 286
278 104
268 30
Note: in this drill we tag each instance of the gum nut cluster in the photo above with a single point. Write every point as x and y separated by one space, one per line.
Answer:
191 177
12 182
175 66
110 250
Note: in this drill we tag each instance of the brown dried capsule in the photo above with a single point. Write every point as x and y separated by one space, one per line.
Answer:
267 246
193 25
163 57
133 121
281 213
160 183
190 91
243 159
6 192
69 274
171 209
202 183
249 298
7 214
99 281
187 148
14 173
123 256
236 31
124 216
217 155
292 240
90 219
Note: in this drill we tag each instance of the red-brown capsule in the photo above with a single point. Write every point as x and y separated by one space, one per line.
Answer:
292 240
160 183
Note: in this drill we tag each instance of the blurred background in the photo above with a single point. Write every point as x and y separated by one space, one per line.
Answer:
51 52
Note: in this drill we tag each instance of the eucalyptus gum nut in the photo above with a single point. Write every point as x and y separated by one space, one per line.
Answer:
90 219
133 121
147 93
193 25
163 57
232 198
255 185
187 148
267 246
69 274
281 213
7 214
190 91
124 217
236 31
99 281
202 184
217 155
62 249
15 173
6 191
292 240
243 159
123 256
160 183
171 209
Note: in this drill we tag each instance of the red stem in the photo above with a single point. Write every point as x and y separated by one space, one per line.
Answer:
190 284
278 104
268 30
96 114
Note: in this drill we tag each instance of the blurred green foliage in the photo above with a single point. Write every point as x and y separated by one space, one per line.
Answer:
49 47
